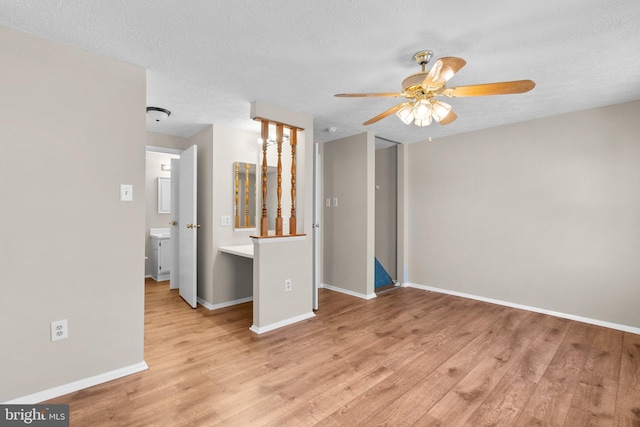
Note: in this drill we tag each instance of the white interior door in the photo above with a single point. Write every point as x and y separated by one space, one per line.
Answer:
174 220
188 227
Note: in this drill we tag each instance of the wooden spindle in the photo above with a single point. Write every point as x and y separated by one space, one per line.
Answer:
293 140
237 191
264 221
247 220
279 137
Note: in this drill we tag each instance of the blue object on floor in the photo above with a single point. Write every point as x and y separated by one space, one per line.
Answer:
382 278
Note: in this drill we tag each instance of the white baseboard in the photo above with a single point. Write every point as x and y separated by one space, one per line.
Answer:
617 326
223 304
262 329
348 292
51 393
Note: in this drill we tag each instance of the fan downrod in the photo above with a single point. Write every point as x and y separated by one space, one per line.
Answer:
423 58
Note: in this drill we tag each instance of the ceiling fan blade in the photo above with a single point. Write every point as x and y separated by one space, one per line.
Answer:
387 113
369 95
448 118
442 71
501 88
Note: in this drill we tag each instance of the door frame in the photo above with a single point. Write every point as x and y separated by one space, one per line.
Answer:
317 219
162 150
174 278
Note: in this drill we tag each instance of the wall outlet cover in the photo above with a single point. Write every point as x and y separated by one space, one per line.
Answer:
59 330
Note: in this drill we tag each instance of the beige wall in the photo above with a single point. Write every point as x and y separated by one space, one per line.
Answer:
544 213
274 262
154 162
386 208
349 228
70 248
290 258
222 278
155 139
231 276
402 215
204 141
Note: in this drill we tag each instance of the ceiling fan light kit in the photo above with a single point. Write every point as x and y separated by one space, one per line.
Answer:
422 112
440 110
423 88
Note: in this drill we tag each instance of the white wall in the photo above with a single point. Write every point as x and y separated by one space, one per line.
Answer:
544 213
349 229
72 130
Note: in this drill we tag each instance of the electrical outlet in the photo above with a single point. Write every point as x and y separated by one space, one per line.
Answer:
335 202
287 285
59 330
225 220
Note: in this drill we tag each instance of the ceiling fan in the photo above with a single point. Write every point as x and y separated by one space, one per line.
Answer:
422 89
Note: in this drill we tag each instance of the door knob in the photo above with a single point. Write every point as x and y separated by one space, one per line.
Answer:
174 223
193 225
189 225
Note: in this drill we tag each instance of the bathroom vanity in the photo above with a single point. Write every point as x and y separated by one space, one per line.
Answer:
160 253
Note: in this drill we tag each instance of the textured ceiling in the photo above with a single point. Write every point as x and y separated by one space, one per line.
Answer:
207 60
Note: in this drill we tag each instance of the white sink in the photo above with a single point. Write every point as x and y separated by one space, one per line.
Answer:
159 232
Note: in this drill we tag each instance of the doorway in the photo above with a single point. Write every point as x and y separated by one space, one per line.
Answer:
386 201
178 224
157 217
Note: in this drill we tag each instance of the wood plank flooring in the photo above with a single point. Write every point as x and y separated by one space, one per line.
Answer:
406 358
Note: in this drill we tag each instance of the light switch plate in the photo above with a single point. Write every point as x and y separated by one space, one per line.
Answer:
126 192
328 203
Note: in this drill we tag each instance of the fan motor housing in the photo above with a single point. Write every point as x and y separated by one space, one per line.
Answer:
413 84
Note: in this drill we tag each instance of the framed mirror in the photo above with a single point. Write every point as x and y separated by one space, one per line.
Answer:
244 175
164 195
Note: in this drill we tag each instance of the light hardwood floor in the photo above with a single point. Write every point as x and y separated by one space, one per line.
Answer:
408 357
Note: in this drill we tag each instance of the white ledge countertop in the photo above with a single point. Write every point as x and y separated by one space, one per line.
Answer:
239 250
